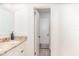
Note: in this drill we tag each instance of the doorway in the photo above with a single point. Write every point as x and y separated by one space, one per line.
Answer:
42 32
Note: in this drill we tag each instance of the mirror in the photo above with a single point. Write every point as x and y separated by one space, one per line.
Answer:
6 21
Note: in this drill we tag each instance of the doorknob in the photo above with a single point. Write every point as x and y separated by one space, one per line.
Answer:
22 51
38 36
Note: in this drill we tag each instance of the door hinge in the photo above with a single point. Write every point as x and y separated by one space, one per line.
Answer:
34 13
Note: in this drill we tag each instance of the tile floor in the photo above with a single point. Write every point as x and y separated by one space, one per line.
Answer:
44 52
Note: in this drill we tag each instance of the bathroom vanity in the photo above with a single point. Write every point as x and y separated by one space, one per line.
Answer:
13 47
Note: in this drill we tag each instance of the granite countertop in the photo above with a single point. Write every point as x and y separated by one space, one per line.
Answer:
5 46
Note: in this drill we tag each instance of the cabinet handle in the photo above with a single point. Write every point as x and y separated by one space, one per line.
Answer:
22 51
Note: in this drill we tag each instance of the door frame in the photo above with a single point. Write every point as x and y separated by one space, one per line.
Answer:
34 31
49 29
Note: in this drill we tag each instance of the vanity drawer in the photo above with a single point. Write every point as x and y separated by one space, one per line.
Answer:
17 51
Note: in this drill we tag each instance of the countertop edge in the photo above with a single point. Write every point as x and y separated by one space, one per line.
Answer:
13 47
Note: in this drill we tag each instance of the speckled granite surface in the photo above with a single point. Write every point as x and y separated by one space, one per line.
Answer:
8 44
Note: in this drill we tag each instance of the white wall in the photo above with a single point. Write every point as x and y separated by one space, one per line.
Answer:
65 29
6 22
55 29
69 24
24 25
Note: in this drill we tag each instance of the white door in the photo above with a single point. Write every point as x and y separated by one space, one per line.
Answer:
44 29
36 17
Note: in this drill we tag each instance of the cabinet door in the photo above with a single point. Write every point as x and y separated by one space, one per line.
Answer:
13 52
21 49
17 51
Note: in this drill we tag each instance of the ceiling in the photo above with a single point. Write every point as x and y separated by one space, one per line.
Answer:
13 7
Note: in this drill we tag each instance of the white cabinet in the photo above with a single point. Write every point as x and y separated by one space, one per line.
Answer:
17 51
